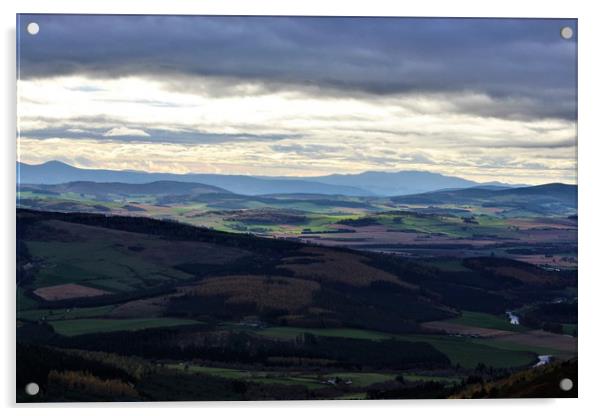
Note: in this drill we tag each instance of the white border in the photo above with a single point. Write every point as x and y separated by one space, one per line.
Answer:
590 68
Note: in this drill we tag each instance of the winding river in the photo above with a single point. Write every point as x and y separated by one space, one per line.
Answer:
543 360
513 318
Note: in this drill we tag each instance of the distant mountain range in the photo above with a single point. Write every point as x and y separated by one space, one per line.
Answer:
363 184
57 172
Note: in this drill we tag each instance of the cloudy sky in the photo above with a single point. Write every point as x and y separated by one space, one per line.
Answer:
482 99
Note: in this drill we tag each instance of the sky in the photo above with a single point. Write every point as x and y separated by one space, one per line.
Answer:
484 99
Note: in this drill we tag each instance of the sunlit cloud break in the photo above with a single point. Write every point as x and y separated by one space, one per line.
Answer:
125 131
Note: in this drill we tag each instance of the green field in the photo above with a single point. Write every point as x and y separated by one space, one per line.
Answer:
485 320
320 217
266 377
451 226
291 333
569 329
425 378
88 326
362 379
449 265
23 301
96 263
508 345
308 380
64 314
104 264
466 352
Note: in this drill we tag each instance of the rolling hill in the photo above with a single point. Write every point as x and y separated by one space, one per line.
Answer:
542 199
304 285
157 188
142 308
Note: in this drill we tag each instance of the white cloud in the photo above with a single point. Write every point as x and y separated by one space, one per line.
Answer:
342 134
125 131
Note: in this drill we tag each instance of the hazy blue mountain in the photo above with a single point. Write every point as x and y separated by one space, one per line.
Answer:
401 183
57 172
362 184
398 183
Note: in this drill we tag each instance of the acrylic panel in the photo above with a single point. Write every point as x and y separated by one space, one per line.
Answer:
295 208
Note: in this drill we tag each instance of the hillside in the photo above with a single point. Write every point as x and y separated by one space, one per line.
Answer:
149 304
105 189
146 254
277 280
541 382
516 223
542 199
303 284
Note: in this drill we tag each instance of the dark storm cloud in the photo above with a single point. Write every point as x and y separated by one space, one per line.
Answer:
524 63
151 135
315 150
551 144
